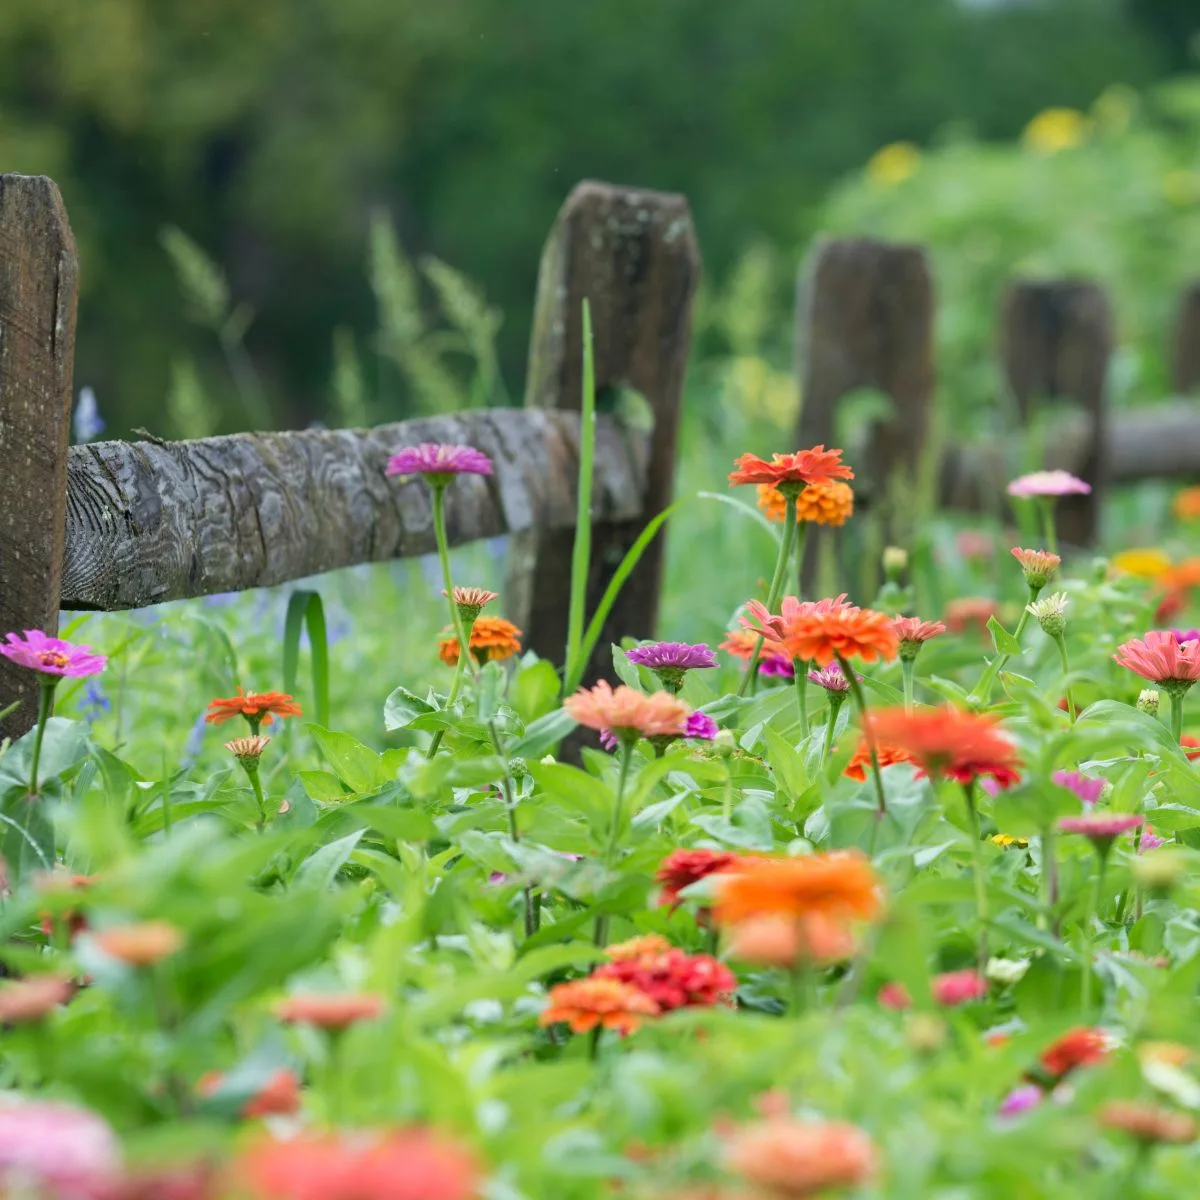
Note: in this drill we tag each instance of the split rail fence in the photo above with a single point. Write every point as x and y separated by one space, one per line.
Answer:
120 525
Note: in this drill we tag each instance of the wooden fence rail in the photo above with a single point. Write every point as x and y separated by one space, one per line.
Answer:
118 525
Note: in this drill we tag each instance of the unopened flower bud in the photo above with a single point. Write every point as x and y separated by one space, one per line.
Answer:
925 1033
895 563
1007 971
548 761
248 750
1159 872
725 743
518 768
1147 701
1050 613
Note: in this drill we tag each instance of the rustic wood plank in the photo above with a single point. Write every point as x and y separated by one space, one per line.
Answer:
1185 348
864 319
155 521
39 285
1056 338
632 254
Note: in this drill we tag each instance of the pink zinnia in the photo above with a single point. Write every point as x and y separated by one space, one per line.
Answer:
1086 787
51 655
1149 840
831 678
1049 483
949 990
913 629
1037 565
1161 659
1101 829
439 460
55 1150
628 713
1021 1100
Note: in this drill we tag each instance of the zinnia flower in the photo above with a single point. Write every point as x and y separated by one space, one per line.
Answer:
279 1096
948 742
141 944
841 884
778 627
1186 505
257 707
332 1010
646 945
1149 840
50 655
817 465
1082 1046
819 504
1050 613
1186 635
248 749
1086 787
1049 483
914 633
629 714
405 1165
950 989
831 678
888 756
783 941
1145 562
439 462
793 1160
700 727
32 998
1021 1100
1161 659
670 661
1101 828
681 868
846 631
1037 565
672 978
491 639
586 1003
771 660
1147 1122
55 1151
471 601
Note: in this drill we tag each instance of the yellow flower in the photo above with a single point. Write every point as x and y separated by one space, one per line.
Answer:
1181 187
1055 129
893 164
1003 839
1145 563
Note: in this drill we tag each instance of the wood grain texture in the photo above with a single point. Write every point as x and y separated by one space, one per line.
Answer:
39 285
1185 346
155 521
864 319
1056 338
632 254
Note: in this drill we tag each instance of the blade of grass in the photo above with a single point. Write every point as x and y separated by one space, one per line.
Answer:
582 553
305 607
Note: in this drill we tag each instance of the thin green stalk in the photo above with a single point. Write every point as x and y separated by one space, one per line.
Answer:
1061 642
981 900
46 686
982 693
1089 937
581 554
860 703
800 671
1049 879
836 699
776 589
1046 507
510 805
1176 715
626 752
727 795
256 784
443 549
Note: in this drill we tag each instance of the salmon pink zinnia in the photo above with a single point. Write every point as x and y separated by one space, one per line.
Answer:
51 656
336 1010
628 713
772 661
584 1004
1162 659
793 1160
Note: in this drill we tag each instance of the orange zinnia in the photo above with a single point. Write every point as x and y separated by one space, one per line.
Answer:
257 707
840 884
1186 504
585 1003
843 632
947 741
819 504
335 1010
627 712
492 638
817 465
860 764
141 944
793 1160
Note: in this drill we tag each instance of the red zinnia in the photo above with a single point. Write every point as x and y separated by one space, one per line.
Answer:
948 742
1082 1046
681 868
674 979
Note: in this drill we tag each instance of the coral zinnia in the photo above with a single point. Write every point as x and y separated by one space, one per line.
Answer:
793 1160
948 742
772 661
333 1010
471 601
1186 504
1082 1046
586 1003
860 763
628 713
1037 565
279 1096
681 868
672 978
914 633
819 504
782 941
492 639
406 1165
1147 1122
840 884
846 632
1162 659
817 465
50 655
257 707
33 997
778 628
141 944
439 461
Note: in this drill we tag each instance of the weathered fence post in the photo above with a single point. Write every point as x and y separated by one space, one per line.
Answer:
632 255
39 277
865 320
1055 340
1185 350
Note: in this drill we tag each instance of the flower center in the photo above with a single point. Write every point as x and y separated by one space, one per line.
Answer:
53 658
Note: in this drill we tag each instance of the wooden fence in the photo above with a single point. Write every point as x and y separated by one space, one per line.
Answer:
119 525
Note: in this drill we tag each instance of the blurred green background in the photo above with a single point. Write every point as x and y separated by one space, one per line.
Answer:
276 135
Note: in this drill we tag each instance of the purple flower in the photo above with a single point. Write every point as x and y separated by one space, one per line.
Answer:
1150 840
678 656
1049 483
439 460
86 420
830 678
778 666
51 655
56 1151
1186 635
1086 787
1020 1100
701 727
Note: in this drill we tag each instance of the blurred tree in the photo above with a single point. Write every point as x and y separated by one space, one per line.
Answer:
270 133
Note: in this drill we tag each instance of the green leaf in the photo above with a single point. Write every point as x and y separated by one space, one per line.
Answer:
787 763
306 607
1004 641
355 765
402 707
534 690
401 823
320 869
543 735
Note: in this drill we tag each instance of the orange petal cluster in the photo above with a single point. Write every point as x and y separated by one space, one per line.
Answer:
776 940
817 465
32 998
491 639
335 1010
949 742
841 885
584 1004
794 1160
279 1096
860 763
829 503
1147 1122
141 944
626 710
844 631
255 706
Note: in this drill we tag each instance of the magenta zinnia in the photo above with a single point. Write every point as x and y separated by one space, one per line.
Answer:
1101 829
51 655
670 661
1086 787
440 461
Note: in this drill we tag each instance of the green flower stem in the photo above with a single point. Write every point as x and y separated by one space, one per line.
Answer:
980 873
836 700
256 784
983 689
46 686
1046 508
1176 699
1049 880
443 548
510 805
600 938
1089 937
727 795
776 589
860 703
908 668
800 670
1061 642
